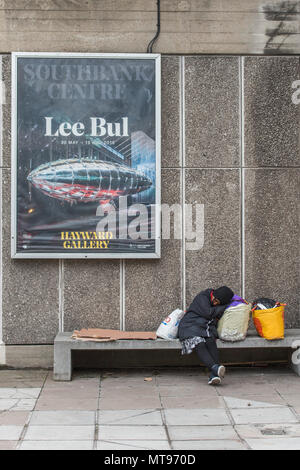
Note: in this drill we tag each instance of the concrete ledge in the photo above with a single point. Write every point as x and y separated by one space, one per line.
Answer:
29 356
64 345
252 341
153 354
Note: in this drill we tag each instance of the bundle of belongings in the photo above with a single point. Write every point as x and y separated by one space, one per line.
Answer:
233 325
101 335
268 318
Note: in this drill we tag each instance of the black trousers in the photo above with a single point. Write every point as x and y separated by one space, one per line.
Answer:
208 352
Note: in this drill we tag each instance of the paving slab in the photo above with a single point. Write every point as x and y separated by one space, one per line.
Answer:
133 372
188 402
269 397
14 418
183 381
109 433
63 417
128 373
208 445
287 388
23 404
83 385
10 433
65 394
86 374
190 390
207 417
56 445
229 388
126 417
297 411
262 402
129 403
59 433
189 433
129 388
116 392
21 384
290 379
267 431
280 443
291 399
263 415
246 380
123 389
278 370
19 392
23 374
133 445
8 445
129 381
53 404
181 372
233 402
22 378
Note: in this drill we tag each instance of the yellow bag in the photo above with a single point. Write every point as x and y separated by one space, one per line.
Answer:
269 323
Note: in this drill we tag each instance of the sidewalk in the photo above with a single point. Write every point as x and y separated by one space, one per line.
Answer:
254 408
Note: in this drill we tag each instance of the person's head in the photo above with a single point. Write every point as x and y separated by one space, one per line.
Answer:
222 296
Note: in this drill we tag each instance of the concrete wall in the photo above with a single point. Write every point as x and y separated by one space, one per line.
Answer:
187 26
230 141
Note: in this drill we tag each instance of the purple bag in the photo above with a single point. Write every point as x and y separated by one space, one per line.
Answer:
236 300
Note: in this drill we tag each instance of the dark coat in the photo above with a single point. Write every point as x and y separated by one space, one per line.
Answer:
201 318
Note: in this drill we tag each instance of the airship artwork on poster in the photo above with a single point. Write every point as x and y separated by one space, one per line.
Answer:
86 155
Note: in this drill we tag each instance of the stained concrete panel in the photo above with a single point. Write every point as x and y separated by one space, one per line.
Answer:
218 262
212 112
272 235
30 289
272 120
170 111
153 287
91 294
6 111
33 356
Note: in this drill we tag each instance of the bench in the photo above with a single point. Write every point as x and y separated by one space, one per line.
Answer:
64 345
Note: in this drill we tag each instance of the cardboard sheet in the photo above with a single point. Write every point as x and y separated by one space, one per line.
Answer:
99 334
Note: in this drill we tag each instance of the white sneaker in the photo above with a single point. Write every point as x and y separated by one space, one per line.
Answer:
218 371
214 381
221 372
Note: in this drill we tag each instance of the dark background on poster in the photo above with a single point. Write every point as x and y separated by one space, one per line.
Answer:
73 90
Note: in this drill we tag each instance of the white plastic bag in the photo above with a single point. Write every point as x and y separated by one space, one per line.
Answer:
168 329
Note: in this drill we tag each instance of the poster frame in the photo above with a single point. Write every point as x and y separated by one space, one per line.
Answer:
14 148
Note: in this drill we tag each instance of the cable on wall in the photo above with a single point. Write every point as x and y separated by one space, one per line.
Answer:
150 45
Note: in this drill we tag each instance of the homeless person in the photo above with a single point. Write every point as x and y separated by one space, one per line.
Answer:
197 329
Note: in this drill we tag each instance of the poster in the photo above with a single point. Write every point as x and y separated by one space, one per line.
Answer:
85 155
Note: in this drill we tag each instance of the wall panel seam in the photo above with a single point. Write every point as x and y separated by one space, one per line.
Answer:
2 98
2 360
242 169
1 258
182 173
61 286
122 295
231 168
